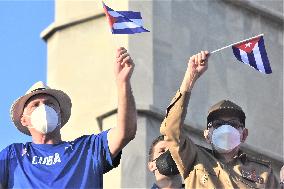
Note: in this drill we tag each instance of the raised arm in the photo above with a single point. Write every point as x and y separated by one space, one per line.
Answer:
181 148
124 132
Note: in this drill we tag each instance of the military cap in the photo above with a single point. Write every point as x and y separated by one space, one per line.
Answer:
225 108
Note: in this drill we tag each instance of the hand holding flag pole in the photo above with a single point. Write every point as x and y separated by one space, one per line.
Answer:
252 52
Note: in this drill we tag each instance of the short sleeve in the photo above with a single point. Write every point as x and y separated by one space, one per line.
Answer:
107 162
4 167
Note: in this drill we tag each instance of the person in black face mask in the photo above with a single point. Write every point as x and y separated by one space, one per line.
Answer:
163 166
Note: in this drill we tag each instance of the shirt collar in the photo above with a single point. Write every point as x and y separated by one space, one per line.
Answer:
155 186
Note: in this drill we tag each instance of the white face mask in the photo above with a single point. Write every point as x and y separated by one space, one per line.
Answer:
44 119
225 138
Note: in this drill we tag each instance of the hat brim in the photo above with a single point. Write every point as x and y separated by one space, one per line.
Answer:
226 112
17 107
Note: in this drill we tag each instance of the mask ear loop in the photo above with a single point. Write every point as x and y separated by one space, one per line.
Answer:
156 166
154 159
241 134
155 170
208 135
28 126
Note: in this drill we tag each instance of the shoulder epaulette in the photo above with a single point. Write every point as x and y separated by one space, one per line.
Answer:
265 162
205 149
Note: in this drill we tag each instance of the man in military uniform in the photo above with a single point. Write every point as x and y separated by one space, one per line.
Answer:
225 165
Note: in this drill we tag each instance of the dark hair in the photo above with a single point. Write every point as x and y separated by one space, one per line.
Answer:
155 141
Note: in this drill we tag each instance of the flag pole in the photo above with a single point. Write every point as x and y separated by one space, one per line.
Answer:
235 43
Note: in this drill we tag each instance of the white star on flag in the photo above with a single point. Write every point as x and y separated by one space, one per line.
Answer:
248 44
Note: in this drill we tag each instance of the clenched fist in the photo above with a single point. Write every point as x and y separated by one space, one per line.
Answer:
124 65
198 63
196 66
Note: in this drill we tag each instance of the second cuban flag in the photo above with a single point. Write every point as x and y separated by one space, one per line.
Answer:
253 53
124 22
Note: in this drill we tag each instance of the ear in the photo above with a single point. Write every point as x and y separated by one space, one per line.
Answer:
207 136
151 166
244 135
24 121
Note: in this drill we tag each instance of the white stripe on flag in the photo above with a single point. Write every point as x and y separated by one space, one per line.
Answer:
114 14
137 21
244 56
123 25
258 59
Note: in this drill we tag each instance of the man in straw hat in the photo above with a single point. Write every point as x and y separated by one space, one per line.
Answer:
49 162
224 165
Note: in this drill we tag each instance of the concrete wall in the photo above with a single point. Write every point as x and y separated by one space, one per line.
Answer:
81 52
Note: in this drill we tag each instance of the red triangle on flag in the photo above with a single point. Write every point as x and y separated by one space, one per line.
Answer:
111 20
247 46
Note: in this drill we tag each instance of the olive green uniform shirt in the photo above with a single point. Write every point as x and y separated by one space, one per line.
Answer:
200 168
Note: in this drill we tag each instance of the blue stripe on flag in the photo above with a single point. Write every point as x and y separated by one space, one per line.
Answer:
129 30
236 52
122 19
252 60
264 57
130 14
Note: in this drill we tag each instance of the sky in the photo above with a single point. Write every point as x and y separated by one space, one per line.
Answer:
23 56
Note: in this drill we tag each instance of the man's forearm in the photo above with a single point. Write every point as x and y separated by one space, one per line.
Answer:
124 132
188 81
127 115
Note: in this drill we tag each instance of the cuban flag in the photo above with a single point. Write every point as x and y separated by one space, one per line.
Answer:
253 53
124 22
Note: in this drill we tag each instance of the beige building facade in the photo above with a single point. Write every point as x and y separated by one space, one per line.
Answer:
81 54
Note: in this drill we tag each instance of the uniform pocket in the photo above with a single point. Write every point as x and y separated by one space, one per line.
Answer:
201 177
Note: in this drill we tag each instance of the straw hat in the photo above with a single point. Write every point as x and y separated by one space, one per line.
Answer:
17 107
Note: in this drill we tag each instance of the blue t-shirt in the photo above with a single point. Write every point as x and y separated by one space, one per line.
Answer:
77 164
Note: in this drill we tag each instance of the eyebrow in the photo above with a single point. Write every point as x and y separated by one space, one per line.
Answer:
234 119
48 100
